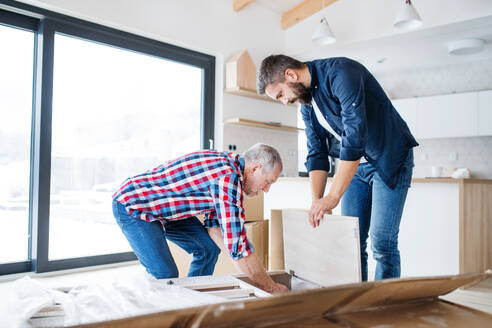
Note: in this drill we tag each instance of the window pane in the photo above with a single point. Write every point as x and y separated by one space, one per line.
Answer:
116 113
16 73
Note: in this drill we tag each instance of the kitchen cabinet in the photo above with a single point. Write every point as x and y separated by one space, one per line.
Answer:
485 113
407 108
446 226
447 116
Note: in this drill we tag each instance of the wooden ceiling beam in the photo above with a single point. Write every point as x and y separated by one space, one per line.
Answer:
238 5
302 11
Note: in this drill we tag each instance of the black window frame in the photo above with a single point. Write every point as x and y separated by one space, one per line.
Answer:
45 29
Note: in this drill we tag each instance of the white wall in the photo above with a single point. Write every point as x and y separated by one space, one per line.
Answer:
209 26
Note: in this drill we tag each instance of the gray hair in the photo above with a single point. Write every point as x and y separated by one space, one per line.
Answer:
267 156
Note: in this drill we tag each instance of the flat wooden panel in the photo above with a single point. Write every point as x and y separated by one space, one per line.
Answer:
327 255
238 5
276 255
253 94
476 227
485 113
303 11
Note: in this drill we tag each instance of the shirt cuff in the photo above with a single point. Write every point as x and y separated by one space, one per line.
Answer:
318 164
351 154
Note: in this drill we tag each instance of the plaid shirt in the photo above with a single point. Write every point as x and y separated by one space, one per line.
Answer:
204 182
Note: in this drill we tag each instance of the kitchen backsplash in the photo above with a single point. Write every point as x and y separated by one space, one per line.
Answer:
474 153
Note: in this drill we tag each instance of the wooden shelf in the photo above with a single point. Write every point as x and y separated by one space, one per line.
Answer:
252 94
264 125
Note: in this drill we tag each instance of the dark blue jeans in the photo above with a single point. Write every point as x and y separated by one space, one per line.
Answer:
148 241
379 210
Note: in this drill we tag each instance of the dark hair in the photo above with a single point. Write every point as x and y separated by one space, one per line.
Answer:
273 68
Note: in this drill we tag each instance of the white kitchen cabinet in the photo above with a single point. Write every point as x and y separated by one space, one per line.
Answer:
448 116
485 113
407 108
442 229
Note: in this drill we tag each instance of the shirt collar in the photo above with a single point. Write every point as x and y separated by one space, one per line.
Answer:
314 76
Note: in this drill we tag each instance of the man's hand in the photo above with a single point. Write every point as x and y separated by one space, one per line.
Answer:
321 206
278 289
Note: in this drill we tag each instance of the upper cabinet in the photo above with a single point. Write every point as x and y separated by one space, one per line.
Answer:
448 116
407 108
485 113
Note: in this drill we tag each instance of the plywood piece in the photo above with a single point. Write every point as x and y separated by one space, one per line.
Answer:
475 226
257 233
327 255
276 246
302 11
241 72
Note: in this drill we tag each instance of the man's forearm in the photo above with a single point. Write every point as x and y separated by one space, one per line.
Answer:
318 183
344 176
249 265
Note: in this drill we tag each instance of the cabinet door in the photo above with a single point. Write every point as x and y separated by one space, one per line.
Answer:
485 113
448 116
407 108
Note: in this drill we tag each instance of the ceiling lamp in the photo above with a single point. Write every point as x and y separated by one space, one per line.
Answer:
465 46
323 34
408 18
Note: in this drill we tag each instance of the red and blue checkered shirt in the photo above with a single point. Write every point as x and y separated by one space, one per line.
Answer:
204 182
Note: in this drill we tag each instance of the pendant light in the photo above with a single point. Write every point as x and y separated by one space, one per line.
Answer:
323 34
408 18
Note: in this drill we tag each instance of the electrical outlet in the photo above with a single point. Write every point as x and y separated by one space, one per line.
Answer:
292 152
453 156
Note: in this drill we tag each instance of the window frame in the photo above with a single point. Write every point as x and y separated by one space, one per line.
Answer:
45 29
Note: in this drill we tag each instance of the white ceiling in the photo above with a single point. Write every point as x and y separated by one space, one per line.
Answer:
417 49
279 6
420 48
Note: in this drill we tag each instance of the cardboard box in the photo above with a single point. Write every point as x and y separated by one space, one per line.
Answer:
384 303
253 208
257 233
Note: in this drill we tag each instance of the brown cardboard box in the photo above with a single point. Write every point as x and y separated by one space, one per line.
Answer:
257 233
385 303
253 208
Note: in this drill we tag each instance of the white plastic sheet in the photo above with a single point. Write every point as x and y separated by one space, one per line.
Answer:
113 299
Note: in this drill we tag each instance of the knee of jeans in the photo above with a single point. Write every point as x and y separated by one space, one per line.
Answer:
384 246
164 273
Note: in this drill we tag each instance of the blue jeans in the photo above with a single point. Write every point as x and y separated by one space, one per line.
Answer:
379 210
149 242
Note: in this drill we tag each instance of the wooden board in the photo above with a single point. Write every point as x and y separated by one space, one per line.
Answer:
327 255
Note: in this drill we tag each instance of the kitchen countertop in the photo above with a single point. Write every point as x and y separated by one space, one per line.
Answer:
415 180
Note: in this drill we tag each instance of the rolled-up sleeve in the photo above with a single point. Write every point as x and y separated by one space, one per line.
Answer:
229 214
317 157
348 85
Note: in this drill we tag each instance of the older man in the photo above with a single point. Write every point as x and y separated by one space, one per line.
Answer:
348 115
162 205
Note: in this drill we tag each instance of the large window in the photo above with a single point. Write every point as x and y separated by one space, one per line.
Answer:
16 74
104 105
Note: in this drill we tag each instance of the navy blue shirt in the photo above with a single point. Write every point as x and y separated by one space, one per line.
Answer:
358 110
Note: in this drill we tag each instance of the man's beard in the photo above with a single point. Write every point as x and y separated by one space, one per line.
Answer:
302 93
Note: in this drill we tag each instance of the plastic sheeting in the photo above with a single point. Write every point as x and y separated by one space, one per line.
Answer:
121 297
